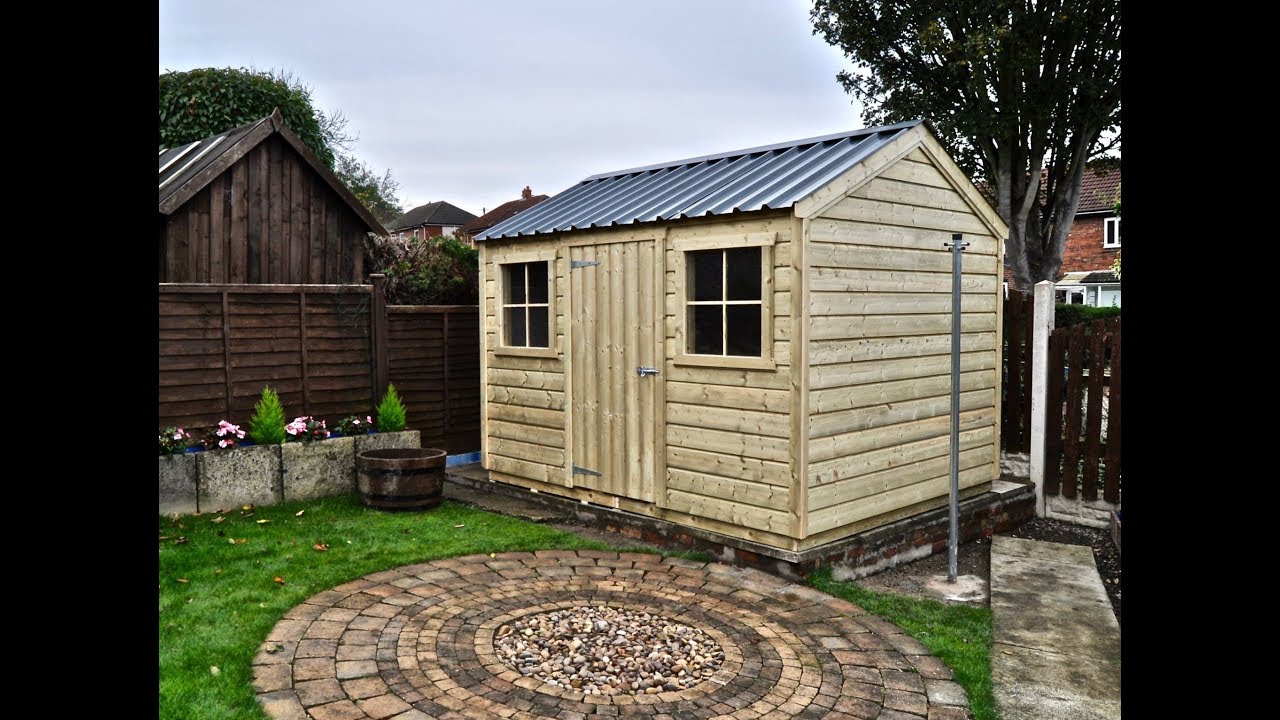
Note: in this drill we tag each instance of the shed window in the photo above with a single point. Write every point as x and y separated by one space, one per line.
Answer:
1111 233
526 312
724 302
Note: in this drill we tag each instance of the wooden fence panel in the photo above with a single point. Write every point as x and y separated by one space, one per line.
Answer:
1071 459
220 345
434 361
1082 447
1015 412
1111 491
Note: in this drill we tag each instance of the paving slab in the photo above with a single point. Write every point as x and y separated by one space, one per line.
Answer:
1056 648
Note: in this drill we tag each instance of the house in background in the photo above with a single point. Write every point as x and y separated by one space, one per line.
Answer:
255 205
498 214
430 220
1086 277
1093 245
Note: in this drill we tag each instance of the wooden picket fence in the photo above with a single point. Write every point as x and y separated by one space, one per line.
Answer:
1015 401
1084 408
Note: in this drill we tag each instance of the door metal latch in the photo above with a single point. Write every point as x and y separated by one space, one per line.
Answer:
642 371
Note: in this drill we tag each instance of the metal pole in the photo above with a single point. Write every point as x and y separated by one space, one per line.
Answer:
957 246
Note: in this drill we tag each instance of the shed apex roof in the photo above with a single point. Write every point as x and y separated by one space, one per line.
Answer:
187 169
768 177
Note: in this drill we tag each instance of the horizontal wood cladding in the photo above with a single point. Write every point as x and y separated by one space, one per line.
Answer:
728 430
269 218
879 374
524 396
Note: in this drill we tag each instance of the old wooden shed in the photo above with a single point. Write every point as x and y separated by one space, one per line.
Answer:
754 344
255 205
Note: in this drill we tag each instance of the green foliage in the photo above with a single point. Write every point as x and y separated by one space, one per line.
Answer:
266 426
426 271
958 634
1067 315
390 411
228 603
1024 96
199 103
377 192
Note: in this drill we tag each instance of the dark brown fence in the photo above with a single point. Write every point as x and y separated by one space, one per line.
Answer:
1015 402
328 350
1084 409
434 358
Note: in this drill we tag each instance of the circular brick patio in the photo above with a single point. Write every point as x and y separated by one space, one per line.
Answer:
417 642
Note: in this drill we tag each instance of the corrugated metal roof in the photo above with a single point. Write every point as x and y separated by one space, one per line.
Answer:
767 177
178 165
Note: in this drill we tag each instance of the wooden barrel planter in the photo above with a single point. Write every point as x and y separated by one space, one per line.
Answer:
401 478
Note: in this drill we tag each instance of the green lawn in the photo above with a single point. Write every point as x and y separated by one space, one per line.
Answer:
230 600
959 634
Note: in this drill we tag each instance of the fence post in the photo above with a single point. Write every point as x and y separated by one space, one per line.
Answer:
378 335
1042 326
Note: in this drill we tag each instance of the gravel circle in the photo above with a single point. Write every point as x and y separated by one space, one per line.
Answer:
600 650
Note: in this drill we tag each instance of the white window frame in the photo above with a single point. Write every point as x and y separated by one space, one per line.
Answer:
500 305
681 246
1107 224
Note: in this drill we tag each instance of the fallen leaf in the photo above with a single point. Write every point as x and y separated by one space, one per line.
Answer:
247 507
214 671
278 579
163 538
183 580
299 513
184 527
320 546
493 555
181 541
460 525
218 571
274 648
263 520
218 519
237 541
348 542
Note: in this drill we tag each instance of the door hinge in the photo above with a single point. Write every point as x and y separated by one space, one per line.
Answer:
583 263
583 471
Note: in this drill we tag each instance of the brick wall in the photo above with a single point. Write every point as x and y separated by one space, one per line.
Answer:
1084 249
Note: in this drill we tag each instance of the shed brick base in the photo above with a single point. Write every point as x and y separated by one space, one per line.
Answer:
1006 506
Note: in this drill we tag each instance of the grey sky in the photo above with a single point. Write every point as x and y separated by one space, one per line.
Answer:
469 101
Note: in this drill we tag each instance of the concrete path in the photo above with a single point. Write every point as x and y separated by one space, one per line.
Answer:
1056 651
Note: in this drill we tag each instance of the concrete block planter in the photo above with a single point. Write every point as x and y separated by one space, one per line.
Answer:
388 441
243 476
178 480
318 469
216 480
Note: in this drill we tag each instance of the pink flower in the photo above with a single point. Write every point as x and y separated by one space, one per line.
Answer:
178 435
223 443
368 419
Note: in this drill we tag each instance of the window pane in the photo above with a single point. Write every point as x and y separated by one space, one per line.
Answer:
515 282
515 327
744 273
705 274
537 282
538 327
704 330
744 330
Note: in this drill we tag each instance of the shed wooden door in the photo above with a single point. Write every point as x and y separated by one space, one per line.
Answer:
613 296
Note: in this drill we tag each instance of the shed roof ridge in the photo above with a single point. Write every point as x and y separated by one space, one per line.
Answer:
754 150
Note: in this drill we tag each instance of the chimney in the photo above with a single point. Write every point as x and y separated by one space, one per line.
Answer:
526 193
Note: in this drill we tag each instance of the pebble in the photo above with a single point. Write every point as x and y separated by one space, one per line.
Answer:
601 650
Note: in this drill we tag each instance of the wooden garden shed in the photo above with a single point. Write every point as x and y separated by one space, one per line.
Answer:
255 205
753 343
